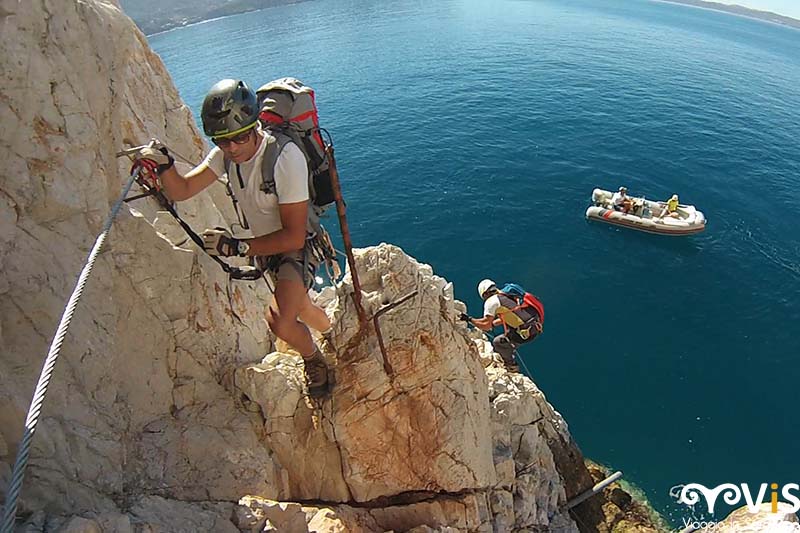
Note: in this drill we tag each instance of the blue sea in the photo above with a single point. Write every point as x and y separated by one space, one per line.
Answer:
472 133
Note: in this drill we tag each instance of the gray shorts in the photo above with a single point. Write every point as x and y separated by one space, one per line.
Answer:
289 266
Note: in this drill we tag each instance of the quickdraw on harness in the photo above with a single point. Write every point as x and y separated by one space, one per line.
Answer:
147 179
523 301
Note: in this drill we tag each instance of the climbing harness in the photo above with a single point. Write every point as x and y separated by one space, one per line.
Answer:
318 245
517 357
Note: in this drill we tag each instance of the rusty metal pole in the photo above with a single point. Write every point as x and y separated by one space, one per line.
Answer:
348 247
345 229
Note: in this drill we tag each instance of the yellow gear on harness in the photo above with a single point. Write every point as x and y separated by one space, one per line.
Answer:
509 317
511 320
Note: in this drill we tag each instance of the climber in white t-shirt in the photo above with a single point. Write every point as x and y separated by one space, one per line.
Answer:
277 218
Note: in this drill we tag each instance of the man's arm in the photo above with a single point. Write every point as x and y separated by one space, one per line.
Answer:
484 324
291 237
179 188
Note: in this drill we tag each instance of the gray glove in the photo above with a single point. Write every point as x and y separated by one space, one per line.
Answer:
219 241
158 154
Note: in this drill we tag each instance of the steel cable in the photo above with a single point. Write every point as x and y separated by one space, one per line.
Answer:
15 486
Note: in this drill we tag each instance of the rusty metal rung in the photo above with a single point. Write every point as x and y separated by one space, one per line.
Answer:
386 308
341 211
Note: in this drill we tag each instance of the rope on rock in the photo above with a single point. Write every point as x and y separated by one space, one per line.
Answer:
15 487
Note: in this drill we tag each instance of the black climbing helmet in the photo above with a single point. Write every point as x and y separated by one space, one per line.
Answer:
230 108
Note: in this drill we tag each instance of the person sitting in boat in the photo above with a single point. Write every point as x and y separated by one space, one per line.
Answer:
671 208
621 201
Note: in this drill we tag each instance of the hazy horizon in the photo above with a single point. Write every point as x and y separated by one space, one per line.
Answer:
789 8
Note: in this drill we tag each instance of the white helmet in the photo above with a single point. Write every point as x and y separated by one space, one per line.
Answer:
484 286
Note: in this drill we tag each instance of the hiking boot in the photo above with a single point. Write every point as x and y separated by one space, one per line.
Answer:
316 374
510 361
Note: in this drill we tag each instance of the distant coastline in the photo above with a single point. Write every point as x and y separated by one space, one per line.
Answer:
156 16
183 23
153 20
735 9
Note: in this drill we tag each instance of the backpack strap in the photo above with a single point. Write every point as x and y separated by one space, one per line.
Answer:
278 140
229 191
275 144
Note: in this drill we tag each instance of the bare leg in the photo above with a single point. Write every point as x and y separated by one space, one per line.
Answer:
314 316
290 297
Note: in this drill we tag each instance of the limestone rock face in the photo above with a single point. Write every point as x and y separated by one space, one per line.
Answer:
135 404
150 514
528 437
415 422
765 521
448 514
440 414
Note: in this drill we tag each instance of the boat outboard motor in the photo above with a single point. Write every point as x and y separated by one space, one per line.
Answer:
597 197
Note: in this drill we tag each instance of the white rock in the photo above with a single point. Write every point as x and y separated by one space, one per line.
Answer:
115 523
418 422
159 514
765 521
256 514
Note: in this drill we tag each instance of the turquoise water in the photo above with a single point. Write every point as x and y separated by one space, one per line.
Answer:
472 135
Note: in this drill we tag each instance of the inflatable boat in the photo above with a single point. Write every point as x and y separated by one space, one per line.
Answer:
646 215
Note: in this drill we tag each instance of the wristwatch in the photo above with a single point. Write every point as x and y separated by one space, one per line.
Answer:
242 248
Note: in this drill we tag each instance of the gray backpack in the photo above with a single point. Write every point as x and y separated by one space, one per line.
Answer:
288 108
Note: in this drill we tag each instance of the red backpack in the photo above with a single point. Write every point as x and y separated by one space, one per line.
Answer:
523 300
